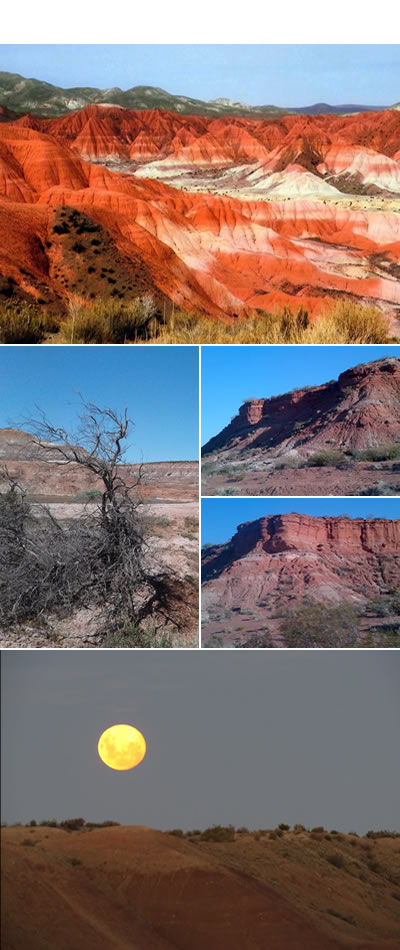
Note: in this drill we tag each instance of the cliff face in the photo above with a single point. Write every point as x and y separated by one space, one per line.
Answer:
358 410
283 560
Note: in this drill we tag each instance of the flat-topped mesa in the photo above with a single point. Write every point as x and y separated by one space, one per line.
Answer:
304 533
358 410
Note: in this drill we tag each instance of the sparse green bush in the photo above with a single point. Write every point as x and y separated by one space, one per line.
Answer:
325 457
283 827
381 453
316 625
139 637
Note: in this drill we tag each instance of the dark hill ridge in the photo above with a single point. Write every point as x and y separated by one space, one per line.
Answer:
358 410
43 98
282 561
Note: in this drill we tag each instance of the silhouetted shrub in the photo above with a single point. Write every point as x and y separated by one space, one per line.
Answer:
219 833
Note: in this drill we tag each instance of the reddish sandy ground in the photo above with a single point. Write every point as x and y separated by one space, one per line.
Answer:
132 888
355 479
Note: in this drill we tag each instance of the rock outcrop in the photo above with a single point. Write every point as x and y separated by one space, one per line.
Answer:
359 410
285 560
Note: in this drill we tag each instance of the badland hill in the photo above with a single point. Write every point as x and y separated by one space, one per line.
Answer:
340 438
276 564
132 886
221 216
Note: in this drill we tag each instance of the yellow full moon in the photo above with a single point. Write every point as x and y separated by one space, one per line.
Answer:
121 747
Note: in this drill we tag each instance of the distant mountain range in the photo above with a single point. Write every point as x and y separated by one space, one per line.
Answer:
41 98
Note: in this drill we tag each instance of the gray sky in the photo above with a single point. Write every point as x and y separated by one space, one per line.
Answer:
242 737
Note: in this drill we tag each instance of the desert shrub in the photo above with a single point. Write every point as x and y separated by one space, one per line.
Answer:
283 827
24 323
138 637
386 638
336 859
378 453
89 495
299 828
98 561
319 829
72 824
28 843
325 457
316 625
219 833
346 323
382 834
350 322
108 321
177 833
382 488
74 862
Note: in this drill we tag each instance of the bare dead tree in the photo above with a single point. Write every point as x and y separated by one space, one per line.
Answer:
100 560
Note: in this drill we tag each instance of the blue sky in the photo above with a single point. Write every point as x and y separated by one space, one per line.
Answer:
221 516
231 374
159 385
282 75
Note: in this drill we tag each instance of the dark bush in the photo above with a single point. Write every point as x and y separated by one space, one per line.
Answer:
219 833
337 860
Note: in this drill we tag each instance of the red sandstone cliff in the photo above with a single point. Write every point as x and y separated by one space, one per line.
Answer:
284 560
359 410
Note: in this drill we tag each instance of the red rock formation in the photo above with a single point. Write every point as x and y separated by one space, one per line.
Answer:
359 410
213 253
285 560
